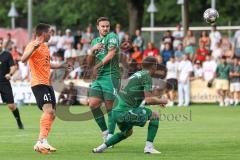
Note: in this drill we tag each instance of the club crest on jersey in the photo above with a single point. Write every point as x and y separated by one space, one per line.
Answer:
113 40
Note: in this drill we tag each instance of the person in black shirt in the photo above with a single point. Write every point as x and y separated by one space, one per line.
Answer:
7 68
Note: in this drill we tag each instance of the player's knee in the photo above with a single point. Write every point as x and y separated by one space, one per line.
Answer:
154 116
129 133
12 106
94 103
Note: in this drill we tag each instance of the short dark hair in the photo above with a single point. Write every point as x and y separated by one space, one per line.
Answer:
149 62
41 28
102 19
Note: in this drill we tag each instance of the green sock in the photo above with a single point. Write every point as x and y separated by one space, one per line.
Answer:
152 129
111 123
115 139
99 118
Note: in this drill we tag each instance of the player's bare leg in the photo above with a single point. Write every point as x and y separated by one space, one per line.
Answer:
46 122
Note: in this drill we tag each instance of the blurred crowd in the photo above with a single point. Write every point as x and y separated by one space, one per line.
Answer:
208 56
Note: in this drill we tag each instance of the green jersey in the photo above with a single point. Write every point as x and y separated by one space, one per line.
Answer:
132 94
223 71
112 67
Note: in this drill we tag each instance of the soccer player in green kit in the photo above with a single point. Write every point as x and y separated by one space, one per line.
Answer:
129 110
106 73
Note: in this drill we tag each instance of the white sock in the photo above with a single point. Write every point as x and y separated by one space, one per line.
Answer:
105 133
109 136
44 140
102 146
149 144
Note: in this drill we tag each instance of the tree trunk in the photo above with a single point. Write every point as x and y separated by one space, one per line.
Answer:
186 17
135 14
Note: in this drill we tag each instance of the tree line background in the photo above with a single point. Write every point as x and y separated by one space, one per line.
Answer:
131 14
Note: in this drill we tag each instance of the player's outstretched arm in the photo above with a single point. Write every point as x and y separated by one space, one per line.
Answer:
65 65
151 99
12 71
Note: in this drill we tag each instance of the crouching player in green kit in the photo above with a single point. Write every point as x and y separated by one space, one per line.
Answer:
129 111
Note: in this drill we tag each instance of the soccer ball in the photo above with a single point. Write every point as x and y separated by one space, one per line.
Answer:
210 15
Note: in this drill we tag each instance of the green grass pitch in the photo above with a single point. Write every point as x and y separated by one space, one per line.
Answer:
203 132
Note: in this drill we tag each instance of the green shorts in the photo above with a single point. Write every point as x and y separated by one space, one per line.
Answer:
126 120
105 87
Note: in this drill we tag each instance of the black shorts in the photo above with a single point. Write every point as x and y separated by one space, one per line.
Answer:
6 92
172 84
44 94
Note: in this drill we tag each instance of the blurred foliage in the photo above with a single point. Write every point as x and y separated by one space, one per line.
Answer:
79 13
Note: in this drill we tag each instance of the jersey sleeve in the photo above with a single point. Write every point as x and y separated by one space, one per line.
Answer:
112 42
93 43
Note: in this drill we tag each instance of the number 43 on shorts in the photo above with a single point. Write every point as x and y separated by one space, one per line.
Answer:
47 97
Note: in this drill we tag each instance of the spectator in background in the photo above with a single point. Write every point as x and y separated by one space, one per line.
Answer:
225 43
80 55
58 74
236 43
168 37
197 70
222 80
201 53
69 95
137 56
138 40
185 69
215 37
77 38
52 43
22 73
217 53
69 53
125 54
172 68
9 42
188 43
167 52
119 32
229 52
60 43
179 52
87 38
178 36
151 51
235 80
209 68
15 54
68 39
204 38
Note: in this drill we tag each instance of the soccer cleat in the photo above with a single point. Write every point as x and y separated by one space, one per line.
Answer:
41 148
51 148
44 147
151 150
20 126
97 150
100 148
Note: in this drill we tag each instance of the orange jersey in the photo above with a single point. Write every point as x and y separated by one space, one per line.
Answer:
39 63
